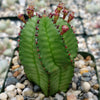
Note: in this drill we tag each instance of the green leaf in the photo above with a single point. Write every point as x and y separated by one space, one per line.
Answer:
29 56
69 39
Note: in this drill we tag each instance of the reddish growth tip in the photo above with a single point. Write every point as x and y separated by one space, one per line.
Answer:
59 8
71 16
56 16
30 11
65 12
65 28
21 17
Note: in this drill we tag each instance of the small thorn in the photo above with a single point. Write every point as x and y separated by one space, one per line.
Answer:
36 34
77 41
36 14
71 60
37 49
44 11
69 54
71 26
65 46
21 27
51 15
38 21
39 16
37 28
19 34
39 57
36 42
57 26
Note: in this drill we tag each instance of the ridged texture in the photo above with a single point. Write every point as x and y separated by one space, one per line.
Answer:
69 39
29 56
53 55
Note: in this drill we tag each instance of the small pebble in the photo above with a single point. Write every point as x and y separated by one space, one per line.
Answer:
19 91
96 86
15 60
40 97
16 73
15 67
20 86
11 80
74 86
3 96
22 79
59 97
88 58
11 94
36 88
87 79
10 88
86 74
71 97
86 86
10 74
19 97
27 92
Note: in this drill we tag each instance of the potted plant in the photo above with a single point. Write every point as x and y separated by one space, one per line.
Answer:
47 48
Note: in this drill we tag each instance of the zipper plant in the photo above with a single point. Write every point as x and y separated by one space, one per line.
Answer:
47 47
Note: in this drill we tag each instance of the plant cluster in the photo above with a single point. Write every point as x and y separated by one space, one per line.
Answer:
47 47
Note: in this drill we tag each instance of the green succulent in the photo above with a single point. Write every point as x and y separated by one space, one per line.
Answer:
47 48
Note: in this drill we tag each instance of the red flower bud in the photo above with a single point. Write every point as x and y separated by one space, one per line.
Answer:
65 12
21 17
59 8
30 11
65 28
56 16
71 16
